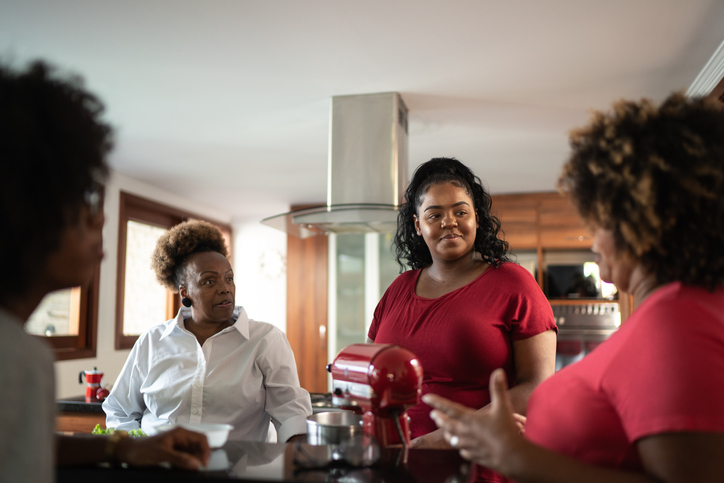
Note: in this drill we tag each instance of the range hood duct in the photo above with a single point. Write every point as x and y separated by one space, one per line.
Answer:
366 171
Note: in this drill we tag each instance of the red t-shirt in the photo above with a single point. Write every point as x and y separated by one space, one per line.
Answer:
658 373
462 336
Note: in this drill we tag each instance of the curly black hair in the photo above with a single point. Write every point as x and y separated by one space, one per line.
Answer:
410 248
654 175
53 149
175 246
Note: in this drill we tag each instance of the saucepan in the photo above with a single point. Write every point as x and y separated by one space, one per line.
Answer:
334 427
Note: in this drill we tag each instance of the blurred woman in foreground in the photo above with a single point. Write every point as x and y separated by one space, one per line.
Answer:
53 148
646 405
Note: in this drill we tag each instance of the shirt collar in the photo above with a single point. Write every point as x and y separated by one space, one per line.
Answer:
242 321
241 325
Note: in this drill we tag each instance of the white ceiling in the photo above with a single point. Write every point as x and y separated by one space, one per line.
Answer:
227 101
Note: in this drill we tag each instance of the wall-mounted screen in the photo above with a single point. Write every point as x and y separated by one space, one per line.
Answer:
577 281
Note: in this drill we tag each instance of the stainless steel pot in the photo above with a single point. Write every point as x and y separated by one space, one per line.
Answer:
333 427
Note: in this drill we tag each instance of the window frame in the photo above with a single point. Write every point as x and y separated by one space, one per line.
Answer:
84 305
142 210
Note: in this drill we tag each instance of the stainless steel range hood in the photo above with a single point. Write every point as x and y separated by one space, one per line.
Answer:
366 171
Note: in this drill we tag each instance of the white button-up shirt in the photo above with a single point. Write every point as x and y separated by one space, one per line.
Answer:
244 376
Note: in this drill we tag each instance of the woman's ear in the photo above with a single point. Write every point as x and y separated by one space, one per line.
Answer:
182 291
417 225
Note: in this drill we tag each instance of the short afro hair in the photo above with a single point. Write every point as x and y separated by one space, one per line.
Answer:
654 175
176 245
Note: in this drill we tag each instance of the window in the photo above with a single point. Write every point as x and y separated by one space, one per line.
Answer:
141 301
68 320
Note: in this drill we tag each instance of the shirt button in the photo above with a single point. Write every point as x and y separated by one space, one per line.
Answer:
195 411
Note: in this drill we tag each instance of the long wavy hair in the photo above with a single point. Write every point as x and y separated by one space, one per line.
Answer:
410 248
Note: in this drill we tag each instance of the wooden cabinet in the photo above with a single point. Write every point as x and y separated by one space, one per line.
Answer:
519 218
540 220
307 309
545 224
559 224
78 422
74 415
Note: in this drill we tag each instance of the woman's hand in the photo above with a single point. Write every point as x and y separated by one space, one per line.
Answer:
179 447
433 440
520 421
485 437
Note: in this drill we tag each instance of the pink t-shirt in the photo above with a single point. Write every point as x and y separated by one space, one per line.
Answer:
660 372
462 336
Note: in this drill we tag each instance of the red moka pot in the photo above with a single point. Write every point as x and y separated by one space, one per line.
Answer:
93 383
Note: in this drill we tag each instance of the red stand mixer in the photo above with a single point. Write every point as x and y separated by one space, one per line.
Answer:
381 381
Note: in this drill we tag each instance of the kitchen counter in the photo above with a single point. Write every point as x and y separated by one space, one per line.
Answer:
77 404
74 415
264 462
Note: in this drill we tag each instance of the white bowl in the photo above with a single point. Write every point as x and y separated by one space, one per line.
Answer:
216 433
218 461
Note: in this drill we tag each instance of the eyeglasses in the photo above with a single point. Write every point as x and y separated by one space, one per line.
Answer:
93 197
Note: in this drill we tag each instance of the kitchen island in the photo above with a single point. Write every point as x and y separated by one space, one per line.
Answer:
74 415
77 416
290 462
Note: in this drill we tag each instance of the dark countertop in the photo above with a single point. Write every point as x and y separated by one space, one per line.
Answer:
264 462
77 404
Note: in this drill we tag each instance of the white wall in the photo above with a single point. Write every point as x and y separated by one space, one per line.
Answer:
260 271
108 359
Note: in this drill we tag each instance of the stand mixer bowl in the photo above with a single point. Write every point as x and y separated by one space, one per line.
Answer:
334 427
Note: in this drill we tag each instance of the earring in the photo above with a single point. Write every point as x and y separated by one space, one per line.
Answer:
186 302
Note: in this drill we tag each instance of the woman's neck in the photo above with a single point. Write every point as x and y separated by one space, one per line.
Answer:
22 306
204 330
443 271
642 285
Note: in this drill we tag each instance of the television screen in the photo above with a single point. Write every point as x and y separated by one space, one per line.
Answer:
577 281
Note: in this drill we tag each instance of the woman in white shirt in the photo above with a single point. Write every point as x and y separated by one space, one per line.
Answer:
211 363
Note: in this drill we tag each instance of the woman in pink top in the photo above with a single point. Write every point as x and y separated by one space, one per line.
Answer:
647 405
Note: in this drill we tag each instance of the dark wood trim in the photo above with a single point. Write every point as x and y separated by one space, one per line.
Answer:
83 345
135 208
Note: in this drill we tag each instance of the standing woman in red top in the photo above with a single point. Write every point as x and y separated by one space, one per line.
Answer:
463 309
648 404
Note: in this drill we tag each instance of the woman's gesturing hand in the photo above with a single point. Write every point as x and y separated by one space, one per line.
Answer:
485 437
179 447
